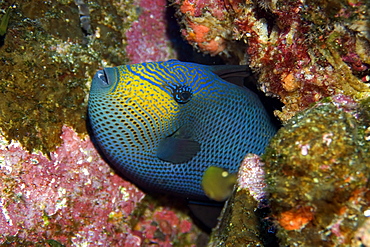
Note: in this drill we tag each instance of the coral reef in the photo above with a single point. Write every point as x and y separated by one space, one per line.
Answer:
362 235
207 25
317 174
242 221
55 189
47 61
147 40
238 225
76 199
301 51
315 179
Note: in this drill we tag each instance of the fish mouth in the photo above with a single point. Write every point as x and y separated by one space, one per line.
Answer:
102 76
106 77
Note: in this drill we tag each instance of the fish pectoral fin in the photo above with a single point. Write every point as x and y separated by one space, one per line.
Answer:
176 150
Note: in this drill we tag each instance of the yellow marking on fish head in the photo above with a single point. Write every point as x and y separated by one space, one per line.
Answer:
148 108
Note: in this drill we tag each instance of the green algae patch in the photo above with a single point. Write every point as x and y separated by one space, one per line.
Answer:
317 175
47 63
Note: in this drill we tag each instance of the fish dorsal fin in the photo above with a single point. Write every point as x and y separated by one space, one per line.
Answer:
235 74
178 147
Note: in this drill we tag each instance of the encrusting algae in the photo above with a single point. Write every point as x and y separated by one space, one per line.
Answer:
317 174
46 62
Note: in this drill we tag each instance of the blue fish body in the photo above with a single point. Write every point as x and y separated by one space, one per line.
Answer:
162 124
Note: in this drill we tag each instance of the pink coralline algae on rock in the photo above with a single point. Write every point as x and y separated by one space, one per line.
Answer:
75 199
251 177
70 198
146 38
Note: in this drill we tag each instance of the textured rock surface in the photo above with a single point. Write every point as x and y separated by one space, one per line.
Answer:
317 174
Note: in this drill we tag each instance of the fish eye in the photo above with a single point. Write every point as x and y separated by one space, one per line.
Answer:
182 94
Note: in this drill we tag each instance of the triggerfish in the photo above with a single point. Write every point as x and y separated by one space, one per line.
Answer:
163 124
